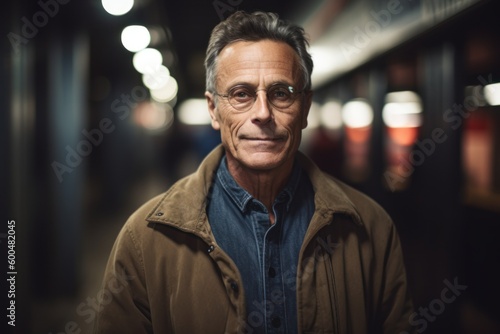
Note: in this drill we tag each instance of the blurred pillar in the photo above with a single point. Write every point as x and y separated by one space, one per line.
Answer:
443 89
439 178
17 120
377 86
68 67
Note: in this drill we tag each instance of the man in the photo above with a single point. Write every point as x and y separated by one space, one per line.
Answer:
258 240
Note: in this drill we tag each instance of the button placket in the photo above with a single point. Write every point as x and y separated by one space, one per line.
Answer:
273 279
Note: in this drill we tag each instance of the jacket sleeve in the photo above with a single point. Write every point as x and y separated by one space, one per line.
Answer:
396 302
122 302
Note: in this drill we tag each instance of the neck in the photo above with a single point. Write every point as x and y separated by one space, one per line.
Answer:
263 185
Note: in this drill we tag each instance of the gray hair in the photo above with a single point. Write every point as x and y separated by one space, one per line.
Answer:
242 26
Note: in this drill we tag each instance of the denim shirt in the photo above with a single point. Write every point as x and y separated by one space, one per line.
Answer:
266 255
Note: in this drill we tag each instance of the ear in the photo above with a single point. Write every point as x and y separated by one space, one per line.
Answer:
212 109
306 107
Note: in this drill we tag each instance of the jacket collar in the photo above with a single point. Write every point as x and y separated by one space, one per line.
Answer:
329 197
183 205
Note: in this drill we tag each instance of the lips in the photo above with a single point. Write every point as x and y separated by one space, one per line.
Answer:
262 138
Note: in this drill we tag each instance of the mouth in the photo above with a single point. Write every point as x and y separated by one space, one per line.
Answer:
264 144
264 138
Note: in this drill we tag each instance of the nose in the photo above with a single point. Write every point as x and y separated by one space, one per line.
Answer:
262 113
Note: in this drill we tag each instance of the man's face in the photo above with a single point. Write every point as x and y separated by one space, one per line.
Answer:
263 137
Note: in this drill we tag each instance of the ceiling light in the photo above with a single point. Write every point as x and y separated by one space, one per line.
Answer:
331 115
357 113
492 94
117 7
147 60
135 38
194 112
166 93
157 78
402 110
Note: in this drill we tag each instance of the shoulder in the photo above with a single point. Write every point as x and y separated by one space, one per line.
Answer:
334 195
182 198
366 206
135 229
374 224
139 218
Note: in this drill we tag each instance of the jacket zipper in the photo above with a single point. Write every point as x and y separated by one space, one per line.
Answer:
333 294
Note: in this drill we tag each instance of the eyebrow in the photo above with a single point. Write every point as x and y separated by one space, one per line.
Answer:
275 83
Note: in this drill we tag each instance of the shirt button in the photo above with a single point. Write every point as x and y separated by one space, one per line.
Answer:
276 322
271 272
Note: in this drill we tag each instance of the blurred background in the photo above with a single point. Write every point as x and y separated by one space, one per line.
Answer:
101 108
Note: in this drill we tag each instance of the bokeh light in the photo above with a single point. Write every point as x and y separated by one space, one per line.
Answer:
167 92
157 78
147 60
135 38
357 113
194 112
117 7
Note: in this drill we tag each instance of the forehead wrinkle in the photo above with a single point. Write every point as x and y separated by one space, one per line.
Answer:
257 76
237 57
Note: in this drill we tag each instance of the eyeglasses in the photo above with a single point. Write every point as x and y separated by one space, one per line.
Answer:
242 97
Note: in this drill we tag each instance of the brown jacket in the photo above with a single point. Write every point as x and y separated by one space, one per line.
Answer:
166 273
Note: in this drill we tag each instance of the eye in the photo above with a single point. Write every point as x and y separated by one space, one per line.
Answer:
280 93
241 94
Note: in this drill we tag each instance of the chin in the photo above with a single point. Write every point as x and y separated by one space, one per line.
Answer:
263 160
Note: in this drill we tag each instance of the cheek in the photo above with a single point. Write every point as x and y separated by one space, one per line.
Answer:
229 124
294 126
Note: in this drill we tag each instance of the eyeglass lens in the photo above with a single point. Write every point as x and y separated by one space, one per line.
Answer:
243 97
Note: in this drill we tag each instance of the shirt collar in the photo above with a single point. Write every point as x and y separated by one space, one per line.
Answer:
242 198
